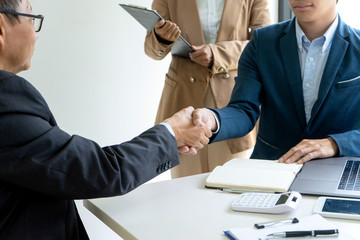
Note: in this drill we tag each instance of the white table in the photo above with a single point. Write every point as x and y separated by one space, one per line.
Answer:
184 209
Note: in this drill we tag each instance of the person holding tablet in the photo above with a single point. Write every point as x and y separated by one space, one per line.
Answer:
218 31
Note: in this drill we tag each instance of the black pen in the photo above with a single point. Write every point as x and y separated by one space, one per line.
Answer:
311 233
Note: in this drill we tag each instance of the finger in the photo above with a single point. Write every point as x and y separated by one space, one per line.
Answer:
301 152
177 34
195 55
290 157
199 144
204 141
189 110
173 30
184 149
308 157
198 122
197 117
192 151
160 24
287 155
195 48
207 131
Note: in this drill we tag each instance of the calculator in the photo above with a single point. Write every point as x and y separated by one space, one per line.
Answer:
267 202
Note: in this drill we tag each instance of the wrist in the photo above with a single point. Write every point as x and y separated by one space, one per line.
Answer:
334 146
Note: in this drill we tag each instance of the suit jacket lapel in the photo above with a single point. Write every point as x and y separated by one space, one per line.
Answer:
289 49
227 22
194 33
336 55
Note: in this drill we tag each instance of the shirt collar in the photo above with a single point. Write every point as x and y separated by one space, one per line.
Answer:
329 34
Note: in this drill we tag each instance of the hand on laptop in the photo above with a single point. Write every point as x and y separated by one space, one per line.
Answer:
309 149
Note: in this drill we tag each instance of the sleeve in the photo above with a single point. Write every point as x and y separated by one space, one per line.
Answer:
348 143
239 117
39 156
226 54
153 48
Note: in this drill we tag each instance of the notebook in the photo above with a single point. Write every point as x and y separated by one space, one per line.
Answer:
338 177
253 175
147 18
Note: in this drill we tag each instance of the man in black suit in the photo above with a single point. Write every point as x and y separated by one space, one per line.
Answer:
42 168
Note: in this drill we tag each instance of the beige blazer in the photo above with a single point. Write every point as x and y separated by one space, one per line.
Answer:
186 82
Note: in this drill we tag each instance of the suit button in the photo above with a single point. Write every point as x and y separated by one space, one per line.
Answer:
226 75
221 69
192 79
160 53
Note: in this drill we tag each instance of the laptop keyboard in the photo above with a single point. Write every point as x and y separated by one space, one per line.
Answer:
350 179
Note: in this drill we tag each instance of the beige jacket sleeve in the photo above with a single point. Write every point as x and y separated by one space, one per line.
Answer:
154 48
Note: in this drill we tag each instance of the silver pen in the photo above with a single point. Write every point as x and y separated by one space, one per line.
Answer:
238 190
310 233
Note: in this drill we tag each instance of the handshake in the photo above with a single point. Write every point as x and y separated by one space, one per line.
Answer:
192 128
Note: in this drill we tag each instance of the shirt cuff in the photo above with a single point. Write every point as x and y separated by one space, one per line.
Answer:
168 128
217 121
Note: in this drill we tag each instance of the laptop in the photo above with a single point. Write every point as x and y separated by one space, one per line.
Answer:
339 177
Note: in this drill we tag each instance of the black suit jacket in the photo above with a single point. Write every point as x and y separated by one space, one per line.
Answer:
42 168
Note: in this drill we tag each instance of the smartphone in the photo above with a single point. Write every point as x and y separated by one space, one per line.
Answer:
348 208
267 202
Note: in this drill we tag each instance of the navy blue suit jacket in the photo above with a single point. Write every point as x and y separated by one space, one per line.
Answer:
269 75
42 168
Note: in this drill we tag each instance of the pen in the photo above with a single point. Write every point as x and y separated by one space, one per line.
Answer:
270 224
235 190
311 233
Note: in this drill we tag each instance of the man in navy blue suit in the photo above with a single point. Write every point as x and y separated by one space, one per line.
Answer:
42 168
305 75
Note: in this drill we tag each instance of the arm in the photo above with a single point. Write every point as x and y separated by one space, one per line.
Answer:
342 144
239 117
309 149
36 154
157 45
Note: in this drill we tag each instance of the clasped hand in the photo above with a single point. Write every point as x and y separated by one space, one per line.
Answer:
190 135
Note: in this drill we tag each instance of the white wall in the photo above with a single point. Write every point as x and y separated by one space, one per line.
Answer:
90 66
349 12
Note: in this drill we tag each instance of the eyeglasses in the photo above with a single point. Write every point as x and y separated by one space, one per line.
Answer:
36 19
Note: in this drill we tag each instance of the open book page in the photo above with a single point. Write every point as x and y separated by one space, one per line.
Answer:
313 222
251 174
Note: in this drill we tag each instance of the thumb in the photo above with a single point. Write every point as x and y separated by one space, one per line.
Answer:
197 120
195 48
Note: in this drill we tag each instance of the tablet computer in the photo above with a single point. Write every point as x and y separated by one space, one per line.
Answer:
147 18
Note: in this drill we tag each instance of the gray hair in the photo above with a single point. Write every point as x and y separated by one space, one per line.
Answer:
9 6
